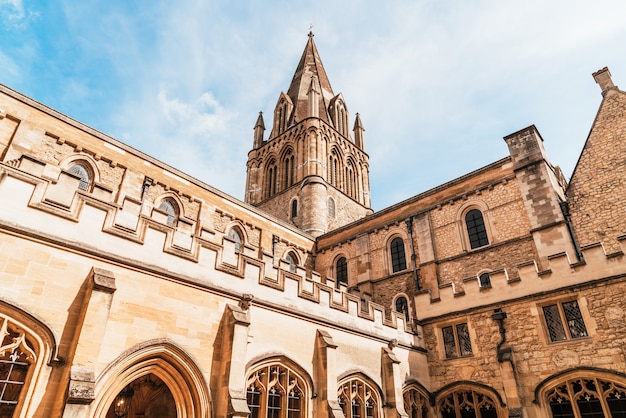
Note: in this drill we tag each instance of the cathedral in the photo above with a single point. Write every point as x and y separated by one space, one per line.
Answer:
131 289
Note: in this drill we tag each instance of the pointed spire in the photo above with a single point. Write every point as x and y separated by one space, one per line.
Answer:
259 128
310 71
358 132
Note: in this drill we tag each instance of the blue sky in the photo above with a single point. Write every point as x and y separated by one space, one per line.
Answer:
437 83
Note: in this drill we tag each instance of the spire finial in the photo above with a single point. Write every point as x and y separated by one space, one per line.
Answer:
311 31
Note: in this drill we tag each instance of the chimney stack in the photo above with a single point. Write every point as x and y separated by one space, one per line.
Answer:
603 78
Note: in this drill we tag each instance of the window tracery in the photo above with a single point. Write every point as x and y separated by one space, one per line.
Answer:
467 404
16 357
276 391
586 398
358 399
416 403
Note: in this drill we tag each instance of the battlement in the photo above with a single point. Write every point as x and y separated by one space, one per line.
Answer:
192 252
561 272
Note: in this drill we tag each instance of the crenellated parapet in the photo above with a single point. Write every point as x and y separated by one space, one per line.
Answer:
198 250
561 272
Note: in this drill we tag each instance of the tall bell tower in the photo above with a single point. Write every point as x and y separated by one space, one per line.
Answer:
311 171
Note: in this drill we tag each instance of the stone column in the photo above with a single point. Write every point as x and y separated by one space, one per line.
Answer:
325 402
392 384
90 336
228 372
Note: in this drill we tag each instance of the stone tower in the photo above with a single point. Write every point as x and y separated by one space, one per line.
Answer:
310 171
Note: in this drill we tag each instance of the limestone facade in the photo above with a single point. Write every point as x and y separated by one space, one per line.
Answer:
128 288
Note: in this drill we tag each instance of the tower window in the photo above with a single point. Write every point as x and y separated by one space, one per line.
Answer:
81 171
341 271
289 165
476 231
398 257
331 207
294 208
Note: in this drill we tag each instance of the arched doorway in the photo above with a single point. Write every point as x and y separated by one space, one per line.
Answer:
147 396
156 372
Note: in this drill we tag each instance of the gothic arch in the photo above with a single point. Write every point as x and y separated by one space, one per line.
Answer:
278 384
356 392
417 400
577 384
270 176
169 363
21 332
287 167
467 395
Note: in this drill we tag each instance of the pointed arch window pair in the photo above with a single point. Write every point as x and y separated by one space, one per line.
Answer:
289 169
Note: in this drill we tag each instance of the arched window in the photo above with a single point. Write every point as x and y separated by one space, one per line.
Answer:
484 280
271 179
402 306
358 399
341 271
235 235
276 391
84 173
289 167
294 208
17 355
334 169
171 209
415 402
398 258
331 207
292 260
587 397
467 404
476 231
